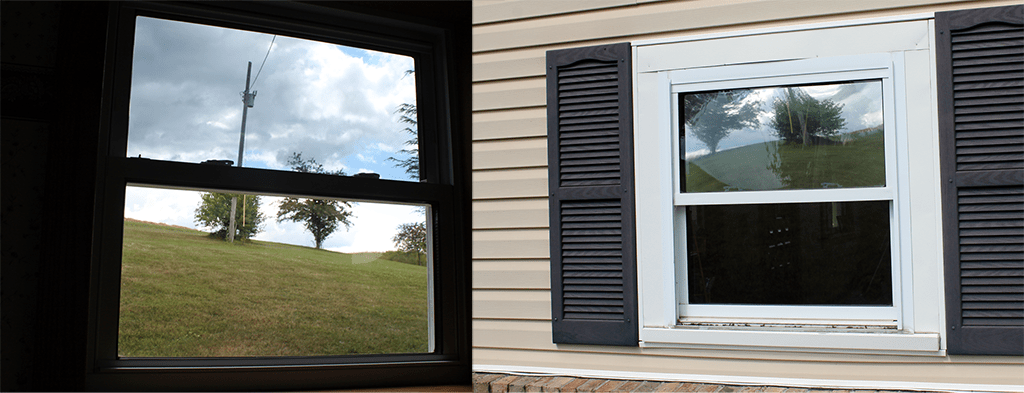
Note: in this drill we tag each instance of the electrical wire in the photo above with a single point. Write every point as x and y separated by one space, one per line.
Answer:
264 62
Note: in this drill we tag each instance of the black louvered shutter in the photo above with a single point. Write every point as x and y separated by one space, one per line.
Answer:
590 172
980 70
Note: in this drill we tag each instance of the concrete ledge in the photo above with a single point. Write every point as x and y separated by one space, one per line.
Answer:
508 383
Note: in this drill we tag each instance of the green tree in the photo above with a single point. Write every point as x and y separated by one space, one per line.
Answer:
321 217
411 164
798 117
214 213
412 237
710 117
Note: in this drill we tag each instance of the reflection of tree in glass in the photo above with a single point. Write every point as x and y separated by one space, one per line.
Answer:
798 117
321 216
812 154
710 117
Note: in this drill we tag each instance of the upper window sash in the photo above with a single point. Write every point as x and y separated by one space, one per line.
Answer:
424 44
794 72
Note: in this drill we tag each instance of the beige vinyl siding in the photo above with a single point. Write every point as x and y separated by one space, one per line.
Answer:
506 124
511 277
504 10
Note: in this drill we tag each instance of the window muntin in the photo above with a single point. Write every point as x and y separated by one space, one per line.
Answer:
185 292
790 137
812 188
339 104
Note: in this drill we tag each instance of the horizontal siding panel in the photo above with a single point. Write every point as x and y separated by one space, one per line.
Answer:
517 183
509 68
512 274
516 153
523 123
500 11
663 17
503 304
506 95
497 214
511 244
512 334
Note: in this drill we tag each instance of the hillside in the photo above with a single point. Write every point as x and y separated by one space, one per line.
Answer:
184 293
857 162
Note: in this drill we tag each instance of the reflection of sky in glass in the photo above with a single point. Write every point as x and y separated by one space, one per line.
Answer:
862 109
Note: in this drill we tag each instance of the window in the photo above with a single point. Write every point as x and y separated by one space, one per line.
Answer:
774 201
786 184
348 91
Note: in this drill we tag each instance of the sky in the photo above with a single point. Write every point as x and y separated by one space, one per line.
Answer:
331 103
862 108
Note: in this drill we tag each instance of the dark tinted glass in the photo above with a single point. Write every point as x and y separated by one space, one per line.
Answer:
829 253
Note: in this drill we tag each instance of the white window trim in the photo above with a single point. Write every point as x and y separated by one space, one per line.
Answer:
657 195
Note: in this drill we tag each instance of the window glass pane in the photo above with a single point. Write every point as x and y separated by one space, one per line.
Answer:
186 292
793 137
829 253
353 109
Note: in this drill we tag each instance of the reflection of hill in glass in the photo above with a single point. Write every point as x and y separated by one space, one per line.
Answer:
857 159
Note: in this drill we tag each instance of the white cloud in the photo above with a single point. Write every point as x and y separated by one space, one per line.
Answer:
373 227
692 155
173 207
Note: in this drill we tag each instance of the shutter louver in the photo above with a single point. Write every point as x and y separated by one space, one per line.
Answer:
593 267
592 260
980 67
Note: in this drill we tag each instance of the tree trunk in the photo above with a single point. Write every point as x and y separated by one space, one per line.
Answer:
802 117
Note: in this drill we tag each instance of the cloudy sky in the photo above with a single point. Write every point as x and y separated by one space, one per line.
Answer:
862 108
332 103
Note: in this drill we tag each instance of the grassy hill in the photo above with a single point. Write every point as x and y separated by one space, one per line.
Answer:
860 162
184 293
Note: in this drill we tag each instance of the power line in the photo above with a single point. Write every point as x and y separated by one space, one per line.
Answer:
264 61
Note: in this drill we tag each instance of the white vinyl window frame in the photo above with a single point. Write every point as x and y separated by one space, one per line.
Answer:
775 57
874 67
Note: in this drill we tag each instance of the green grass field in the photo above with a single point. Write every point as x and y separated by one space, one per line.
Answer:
184 294
775 165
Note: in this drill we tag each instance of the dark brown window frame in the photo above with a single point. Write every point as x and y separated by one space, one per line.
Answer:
443 135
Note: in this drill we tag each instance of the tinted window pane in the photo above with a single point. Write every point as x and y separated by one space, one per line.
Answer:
352 109
186 292
797 137
830 253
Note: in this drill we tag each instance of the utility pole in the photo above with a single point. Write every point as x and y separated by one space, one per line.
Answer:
247 102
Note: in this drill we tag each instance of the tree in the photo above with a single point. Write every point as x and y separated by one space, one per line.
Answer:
800 117
407 116
214 212
711 117
321 217
412 237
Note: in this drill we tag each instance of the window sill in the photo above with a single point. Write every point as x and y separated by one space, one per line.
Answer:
818 339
